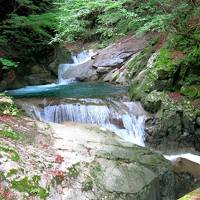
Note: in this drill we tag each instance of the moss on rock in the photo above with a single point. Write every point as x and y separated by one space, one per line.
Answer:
191 91
30 186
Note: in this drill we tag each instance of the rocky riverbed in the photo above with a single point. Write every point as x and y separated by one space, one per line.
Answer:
78 161
74 161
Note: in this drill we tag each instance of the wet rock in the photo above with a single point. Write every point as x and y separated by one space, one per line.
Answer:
117 122
83 71
102 66
111 76
61 55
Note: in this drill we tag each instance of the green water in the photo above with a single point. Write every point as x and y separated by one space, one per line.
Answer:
73 90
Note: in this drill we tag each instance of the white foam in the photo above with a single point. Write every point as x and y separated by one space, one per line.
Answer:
189 156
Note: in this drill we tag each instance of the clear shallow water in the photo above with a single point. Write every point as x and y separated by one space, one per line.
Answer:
72 90
119 117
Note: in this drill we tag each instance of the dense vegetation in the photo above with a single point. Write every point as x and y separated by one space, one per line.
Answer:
25 30
30 28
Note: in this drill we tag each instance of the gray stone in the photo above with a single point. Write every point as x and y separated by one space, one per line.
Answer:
187 174
61 55
89 162
103 70
39 79
116 54
83 71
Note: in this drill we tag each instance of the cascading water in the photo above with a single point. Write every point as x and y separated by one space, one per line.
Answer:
123 118
115 116
80 58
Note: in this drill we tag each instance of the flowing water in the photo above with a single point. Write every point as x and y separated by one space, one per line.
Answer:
79 58
126 119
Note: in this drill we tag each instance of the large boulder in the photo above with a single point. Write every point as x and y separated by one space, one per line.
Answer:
82 72
61 55
187 176
175 125
116 54
103 63
73 161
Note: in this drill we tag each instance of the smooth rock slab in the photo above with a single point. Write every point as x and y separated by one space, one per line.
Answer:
84 162
115 169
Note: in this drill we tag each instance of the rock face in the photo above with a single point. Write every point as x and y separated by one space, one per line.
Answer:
82 72
108 64
39 78
115 55
60 56
73 161
174 126
187 175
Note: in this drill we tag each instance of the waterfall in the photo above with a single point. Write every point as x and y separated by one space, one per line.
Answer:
117 117
79 58
126 119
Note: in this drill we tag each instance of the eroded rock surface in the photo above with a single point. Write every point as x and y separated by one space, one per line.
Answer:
108 64
72 161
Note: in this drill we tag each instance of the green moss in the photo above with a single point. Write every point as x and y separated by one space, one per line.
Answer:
191 91
139 89
8 109
87 184
8 132
11 172
30 186
164 60
14 156
2 176
138 62
73 171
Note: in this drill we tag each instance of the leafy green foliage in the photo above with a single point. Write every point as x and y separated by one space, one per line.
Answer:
25 30
8 64
86 19
9 133
14 156
30 186
164 61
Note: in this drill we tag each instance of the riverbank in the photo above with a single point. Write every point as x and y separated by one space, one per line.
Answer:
70 161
